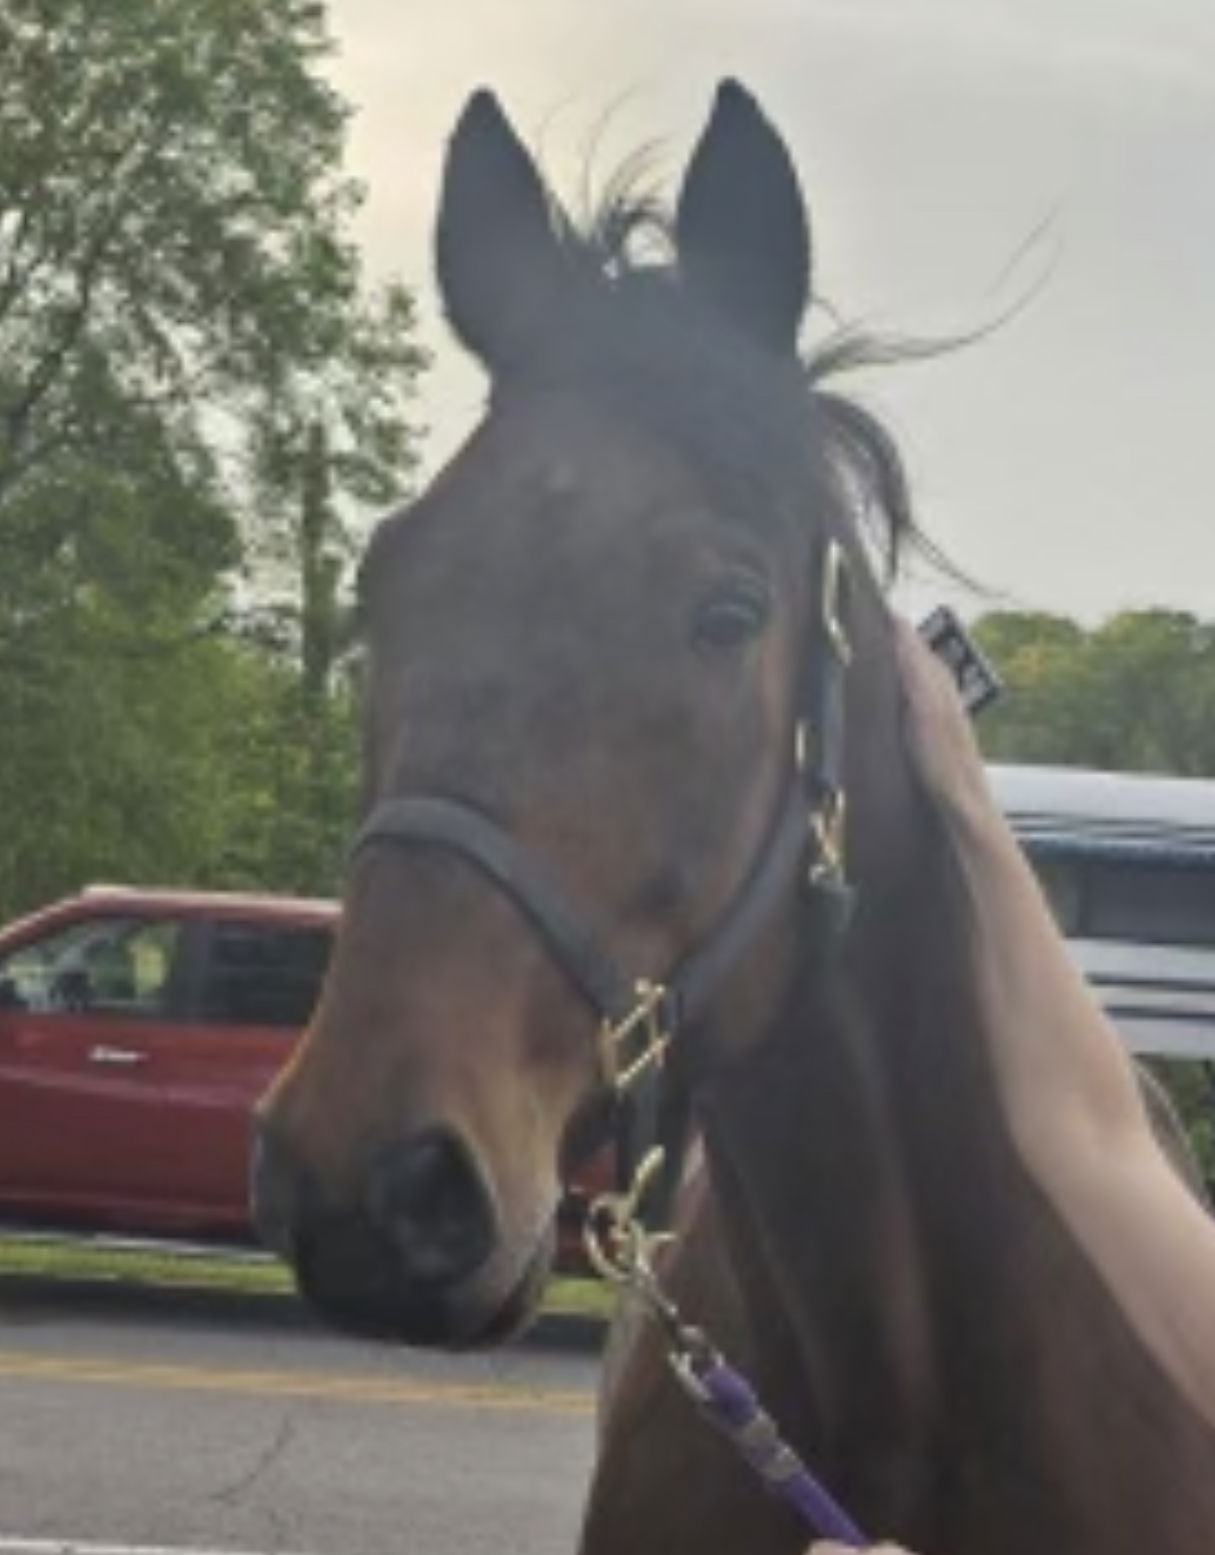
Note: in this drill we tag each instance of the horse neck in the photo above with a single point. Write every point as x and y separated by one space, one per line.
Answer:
913 1300
806 1154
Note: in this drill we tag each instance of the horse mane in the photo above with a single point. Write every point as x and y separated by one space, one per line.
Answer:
637 333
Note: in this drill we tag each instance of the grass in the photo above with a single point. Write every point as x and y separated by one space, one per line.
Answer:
225 1273
85 1261
588 1297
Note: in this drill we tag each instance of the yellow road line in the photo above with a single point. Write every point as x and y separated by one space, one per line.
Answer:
17 1364
23 1546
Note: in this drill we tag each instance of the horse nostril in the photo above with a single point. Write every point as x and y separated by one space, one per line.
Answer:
428 1197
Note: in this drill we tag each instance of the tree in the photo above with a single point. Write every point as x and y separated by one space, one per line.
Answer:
1136 693
173 237
199 397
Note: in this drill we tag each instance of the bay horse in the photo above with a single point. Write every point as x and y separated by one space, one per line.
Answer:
628 657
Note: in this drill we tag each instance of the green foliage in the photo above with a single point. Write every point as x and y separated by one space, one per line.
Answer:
189 761
200 399
1136 693
1192 1089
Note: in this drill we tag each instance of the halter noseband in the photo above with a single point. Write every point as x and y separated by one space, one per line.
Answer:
639 1019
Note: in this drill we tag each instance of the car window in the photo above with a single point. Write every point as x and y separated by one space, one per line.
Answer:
264 975
98 966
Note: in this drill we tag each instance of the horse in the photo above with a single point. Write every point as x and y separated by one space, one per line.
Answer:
654 782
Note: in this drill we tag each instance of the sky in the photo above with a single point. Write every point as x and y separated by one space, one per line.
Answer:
959 157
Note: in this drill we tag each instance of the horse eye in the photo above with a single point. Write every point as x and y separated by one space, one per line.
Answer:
732 618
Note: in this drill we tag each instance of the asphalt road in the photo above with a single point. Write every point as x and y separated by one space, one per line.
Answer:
136 1425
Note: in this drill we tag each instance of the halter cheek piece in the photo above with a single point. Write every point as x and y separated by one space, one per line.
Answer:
639 1019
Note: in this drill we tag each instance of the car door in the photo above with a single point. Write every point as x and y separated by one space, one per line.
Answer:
79 1008
252 989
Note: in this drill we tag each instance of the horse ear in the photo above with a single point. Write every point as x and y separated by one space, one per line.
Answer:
741 228
497 254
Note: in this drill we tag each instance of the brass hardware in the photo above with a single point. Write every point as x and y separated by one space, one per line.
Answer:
619 1247
827 826
616 1242
835 581
803 737
646 1016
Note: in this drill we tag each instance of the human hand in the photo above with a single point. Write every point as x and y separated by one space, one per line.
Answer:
829 1547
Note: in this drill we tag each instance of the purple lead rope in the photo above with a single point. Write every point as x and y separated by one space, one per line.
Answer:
728 1402
619 1248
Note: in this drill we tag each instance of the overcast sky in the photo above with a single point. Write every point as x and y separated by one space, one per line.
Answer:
953 153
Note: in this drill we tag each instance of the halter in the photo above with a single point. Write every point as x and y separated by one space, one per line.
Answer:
640 1019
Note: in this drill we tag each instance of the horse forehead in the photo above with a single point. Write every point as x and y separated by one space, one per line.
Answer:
568 467
561 538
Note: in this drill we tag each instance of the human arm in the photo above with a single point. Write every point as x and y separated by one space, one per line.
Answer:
1066 1085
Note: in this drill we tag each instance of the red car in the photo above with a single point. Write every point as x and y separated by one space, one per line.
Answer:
137 1029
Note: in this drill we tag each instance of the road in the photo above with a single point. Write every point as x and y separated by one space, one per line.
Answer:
150 1426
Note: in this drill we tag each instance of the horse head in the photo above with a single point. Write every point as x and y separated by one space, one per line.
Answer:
601 727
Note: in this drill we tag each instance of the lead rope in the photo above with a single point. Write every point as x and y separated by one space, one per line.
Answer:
619 1249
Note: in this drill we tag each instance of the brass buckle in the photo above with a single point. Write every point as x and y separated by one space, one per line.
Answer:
827 826
835 581
645 1016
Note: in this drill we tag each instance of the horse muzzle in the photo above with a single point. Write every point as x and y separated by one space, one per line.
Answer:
402 1258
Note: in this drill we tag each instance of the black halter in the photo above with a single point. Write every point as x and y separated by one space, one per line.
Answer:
640 1019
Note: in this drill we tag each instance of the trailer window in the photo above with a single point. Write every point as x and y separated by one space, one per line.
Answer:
1143 900
1160 904
1061 885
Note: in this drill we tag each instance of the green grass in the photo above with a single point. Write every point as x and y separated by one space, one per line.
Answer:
83 1261
580 1297
230 1275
